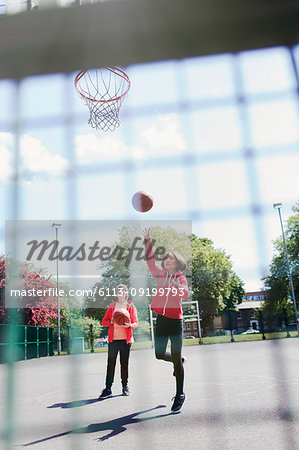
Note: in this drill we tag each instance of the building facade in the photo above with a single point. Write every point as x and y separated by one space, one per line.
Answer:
245 314
244 317
190 328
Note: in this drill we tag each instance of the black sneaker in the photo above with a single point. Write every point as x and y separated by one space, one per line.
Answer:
183 362
178 403
126 390
106 393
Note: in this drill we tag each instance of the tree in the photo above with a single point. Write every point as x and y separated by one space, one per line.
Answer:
33 308
2 288
212 281
80 326
236 292
236 295
206 284
142 332
214 284
277 283
259 315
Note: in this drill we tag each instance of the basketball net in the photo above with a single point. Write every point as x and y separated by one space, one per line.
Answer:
103 91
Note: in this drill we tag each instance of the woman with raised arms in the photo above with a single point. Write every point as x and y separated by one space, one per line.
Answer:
172 286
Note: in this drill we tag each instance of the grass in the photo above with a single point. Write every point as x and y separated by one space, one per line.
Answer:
245 337
206 341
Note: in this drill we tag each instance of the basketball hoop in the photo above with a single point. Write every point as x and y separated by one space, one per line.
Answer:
103 91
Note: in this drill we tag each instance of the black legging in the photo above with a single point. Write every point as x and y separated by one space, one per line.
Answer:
123 348
172 329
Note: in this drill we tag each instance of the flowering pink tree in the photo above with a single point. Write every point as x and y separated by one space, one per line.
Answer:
2 286
38 310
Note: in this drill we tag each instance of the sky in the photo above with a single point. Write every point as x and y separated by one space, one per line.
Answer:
213 139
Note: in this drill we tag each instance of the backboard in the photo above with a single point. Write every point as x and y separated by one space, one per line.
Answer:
19 6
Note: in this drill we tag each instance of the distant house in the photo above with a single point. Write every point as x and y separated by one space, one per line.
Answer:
245 315
191 328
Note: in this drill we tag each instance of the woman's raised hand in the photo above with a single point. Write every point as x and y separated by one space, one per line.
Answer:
146 233
177 284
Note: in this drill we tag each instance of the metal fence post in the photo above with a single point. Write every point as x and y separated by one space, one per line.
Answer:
48 342
91 338
25 343
37 342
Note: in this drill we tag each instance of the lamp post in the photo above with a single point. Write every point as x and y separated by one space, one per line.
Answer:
57 226
278 207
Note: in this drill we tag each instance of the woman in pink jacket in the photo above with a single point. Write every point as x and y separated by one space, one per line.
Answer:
172 286
120 338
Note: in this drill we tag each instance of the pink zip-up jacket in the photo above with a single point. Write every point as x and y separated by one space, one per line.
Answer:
168 301
133 319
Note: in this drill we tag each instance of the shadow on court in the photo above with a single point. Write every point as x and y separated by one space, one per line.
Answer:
79 403
213 420
241 395
116 426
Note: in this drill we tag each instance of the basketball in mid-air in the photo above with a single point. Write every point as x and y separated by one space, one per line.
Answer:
142 201
121 317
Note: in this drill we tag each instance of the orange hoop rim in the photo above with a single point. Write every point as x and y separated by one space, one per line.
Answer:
116 71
